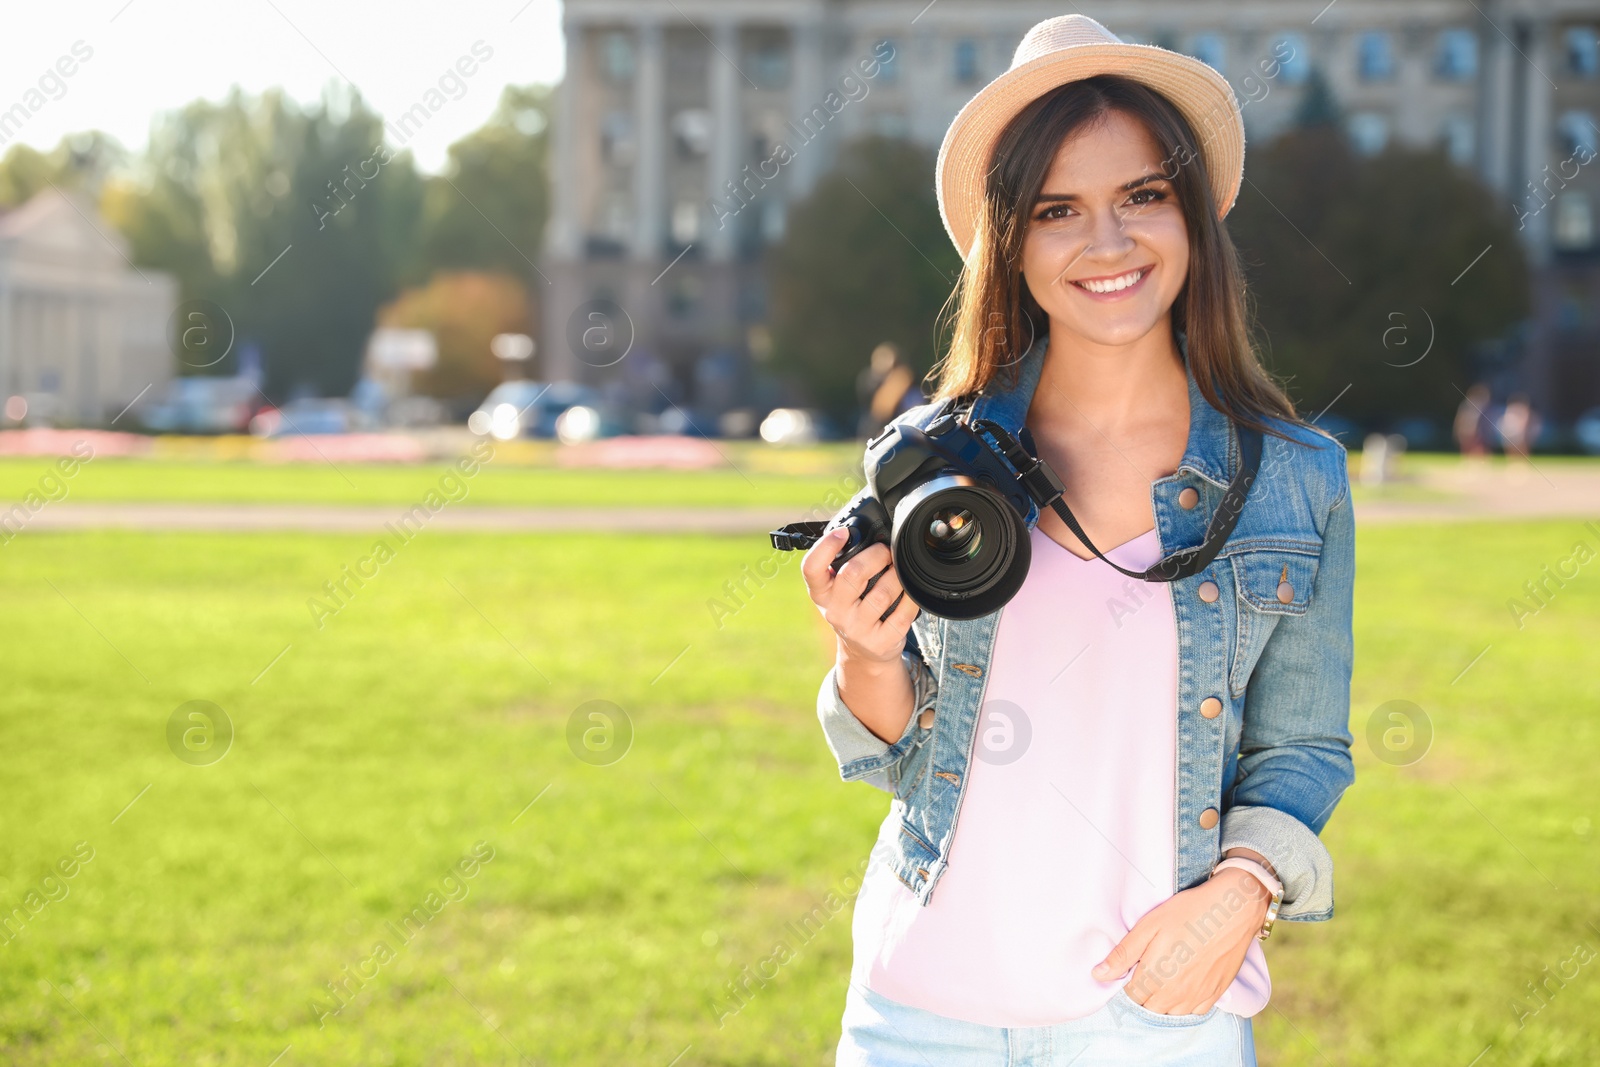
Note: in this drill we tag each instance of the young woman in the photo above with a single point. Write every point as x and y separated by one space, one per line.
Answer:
1116 785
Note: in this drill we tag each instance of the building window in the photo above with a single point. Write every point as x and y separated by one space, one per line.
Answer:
966 61
1459 135
1574 225
616 218
1294 57
1456 57
769 63
616 56
683 297
1369 132
691 132
1208 48
888 69
773 218
1375 56
1576 132
1583 51
616 137
685 222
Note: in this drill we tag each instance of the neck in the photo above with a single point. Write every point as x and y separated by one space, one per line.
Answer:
1109 385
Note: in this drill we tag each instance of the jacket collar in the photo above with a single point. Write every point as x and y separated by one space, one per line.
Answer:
1211 451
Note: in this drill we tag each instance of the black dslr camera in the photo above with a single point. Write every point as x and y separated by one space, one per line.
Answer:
951 508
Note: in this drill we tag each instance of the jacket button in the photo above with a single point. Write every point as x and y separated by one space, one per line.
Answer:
1209 592
1211 707
925 720
1188 498
1208 818
1285 592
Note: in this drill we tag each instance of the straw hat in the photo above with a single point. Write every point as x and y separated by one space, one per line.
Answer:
1066 49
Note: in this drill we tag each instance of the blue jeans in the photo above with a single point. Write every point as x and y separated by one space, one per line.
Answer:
879 1032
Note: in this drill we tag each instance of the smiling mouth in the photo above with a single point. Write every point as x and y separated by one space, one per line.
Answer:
1115 283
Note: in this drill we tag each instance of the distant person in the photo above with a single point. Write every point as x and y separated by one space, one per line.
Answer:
1472 423
881 389
1519 426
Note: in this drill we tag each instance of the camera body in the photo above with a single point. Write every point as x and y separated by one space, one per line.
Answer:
951 510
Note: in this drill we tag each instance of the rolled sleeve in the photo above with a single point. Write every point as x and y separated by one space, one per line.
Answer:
1294 754
1302 862
860 753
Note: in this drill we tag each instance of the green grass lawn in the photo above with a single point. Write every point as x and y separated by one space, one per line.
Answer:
428 712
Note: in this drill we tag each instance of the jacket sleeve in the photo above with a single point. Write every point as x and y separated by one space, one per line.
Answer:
1294 751
861 754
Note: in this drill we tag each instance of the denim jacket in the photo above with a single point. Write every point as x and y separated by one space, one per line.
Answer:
1264 632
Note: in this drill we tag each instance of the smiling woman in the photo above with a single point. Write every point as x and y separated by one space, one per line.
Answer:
1095 824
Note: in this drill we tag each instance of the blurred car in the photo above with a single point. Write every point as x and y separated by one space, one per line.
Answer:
312 415
1421 434
791 426
1587 430
200 404
525 408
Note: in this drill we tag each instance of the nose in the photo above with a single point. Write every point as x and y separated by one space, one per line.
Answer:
1108 236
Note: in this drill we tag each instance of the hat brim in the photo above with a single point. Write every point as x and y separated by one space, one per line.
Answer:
1203 96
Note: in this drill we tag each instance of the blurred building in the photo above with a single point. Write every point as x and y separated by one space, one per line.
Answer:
664 182
82 331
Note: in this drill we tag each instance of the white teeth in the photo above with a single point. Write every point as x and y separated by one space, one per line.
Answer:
1112 285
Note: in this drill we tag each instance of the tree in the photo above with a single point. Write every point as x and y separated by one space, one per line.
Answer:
299 222
1366 273
488 210
463 310
864 259
1318 106
81 161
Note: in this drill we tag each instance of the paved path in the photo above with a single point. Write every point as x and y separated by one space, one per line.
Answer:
1452 493
1457 492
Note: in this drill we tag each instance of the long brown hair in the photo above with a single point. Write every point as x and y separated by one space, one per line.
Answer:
996 317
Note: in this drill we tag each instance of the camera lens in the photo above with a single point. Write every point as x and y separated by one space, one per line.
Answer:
960 549
953 535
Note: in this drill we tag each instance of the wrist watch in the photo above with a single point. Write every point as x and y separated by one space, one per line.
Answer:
1274 886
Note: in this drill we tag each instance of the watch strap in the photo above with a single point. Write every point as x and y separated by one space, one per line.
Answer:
1267 879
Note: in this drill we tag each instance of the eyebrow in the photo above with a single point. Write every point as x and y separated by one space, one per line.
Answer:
1126 188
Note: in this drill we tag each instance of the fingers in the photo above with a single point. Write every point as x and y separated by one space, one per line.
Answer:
859 569
814 564
1126 953
883 593
904 614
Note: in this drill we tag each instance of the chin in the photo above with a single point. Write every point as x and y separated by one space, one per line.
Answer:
1111 332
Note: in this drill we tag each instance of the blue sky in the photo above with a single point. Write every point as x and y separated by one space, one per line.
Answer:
149 56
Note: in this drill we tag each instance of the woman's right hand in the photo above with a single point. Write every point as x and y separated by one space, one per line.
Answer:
864 634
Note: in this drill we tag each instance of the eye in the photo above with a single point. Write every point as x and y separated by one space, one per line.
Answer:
1152 196
1054 211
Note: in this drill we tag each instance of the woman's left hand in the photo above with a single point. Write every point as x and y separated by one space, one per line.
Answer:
1189 948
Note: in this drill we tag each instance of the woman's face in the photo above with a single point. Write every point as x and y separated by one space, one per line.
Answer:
1107 251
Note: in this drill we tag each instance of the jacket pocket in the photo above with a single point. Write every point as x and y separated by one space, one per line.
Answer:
1273 582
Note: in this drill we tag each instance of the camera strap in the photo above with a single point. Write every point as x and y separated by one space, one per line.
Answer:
797 535
1046 489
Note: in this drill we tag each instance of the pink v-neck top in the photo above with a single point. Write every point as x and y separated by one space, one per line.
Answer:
1065 834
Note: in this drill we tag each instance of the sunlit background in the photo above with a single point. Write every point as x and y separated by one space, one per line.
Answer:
394 399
